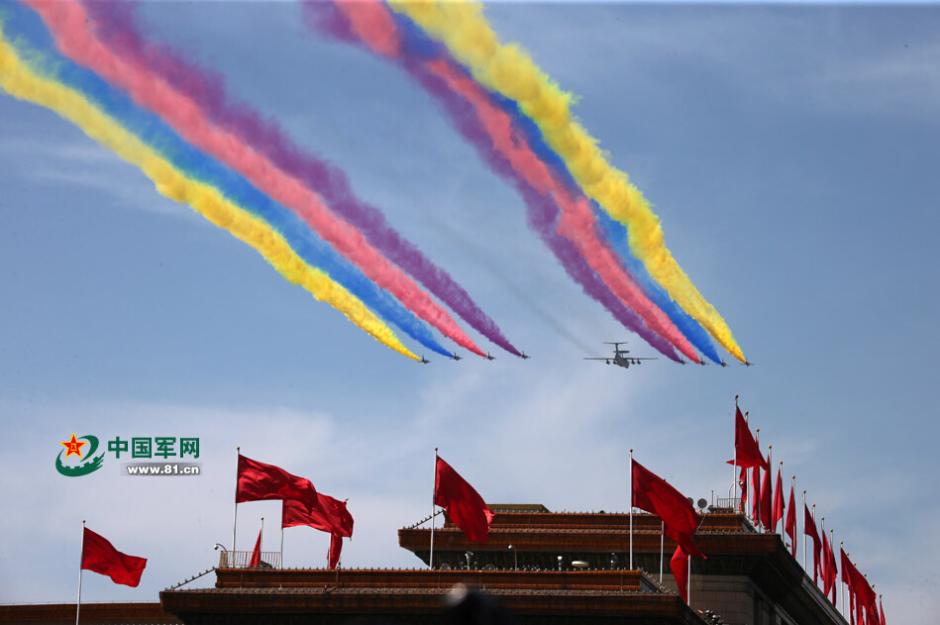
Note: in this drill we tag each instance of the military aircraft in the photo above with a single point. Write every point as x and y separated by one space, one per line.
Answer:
621 357
424 360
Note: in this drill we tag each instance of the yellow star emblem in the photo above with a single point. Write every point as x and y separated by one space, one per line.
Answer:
73 446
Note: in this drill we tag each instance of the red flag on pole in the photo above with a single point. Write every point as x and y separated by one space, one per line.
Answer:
336 546
329 515
746 449
679 565
776 514
829 572
809 529
259 481
656 496
755 494
256 553
766 499
848 581
789 526
100 556
742 482
881 611
463 504
866 601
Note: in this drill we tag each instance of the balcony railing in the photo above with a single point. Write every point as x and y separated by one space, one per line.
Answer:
241 559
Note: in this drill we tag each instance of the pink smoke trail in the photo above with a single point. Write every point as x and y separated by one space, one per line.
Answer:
114 25
372 24
68 22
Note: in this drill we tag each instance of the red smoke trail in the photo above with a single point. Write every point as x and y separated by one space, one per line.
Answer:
372 23
114 25
68 22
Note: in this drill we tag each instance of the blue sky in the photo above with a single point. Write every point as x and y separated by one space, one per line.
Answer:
790 152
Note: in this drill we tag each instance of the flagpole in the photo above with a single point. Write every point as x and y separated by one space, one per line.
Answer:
756 487
431 557
631 509
823 556
842 583
815 566
747 474
282 540
662 533
238 453
770 480
804 532
734 467
78 603
688 589
835 585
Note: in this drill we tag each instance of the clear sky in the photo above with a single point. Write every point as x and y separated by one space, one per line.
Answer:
791 153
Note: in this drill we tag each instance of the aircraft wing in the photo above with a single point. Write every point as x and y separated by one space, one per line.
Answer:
608 358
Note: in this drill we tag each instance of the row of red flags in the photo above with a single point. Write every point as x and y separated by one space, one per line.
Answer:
651 493
767 509
301 504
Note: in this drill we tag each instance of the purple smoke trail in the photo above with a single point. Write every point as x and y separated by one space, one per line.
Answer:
115 24
542 211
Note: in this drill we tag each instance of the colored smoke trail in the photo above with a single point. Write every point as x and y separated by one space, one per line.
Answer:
508 70
490 129
576 221
543 208
19 80
233 187
613 233
68 23
114 24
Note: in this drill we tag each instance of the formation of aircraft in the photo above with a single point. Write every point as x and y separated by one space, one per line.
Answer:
620 357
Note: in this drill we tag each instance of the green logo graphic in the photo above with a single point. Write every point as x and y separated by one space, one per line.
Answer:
88 462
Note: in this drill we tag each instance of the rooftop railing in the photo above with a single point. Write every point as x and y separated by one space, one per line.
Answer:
242 559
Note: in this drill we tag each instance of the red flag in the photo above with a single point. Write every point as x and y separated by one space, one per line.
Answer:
258 481
809 529
833 573
329 515
742 482
256 553
463 504
336 546
789 526
777 512
747 452
766 499
755 494
848 581
881 611
829 571
655 495
679 565
865 598
100 556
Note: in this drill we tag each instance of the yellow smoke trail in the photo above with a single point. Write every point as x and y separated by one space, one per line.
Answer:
19 81
509 70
